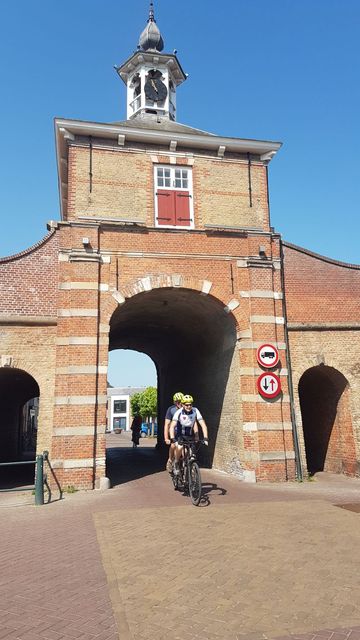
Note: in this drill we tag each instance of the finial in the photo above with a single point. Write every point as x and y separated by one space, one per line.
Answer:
151 13
150 39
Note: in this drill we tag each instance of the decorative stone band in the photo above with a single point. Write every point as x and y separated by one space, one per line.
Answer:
79 400
244 263
78 313
80 340
77 431
83 256
267 320
255 371
81 370
267 426
252 397
273 456
77 463
323 326
87 286
257 344
28 320
257 293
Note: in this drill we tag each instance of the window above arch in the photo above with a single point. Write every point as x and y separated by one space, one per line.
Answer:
174 196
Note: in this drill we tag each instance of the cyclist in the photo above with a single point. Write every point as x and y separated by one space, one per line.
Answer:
187 419
177 400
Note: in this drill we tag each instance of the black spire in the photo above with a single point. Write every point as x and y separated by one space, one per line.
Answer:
150 39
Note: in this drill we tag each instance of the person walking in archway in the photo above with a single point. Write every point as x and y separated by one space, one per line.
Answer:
136 428
177 400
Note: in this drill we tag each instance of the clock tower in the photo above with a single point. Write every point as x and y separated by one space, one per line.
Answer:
151 77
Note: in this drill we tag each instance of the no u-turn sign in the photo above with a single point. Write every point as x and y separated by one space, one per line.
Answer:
269 385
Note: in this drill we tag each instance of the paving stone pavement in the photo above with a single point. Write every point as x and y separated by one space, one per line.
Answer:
139 562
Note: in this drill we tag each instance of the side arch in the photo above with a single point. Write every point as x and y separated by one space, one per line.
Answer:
18 419
324 395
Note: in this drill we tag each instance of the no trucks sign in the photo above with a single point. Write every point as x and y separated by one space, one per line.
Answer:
267 355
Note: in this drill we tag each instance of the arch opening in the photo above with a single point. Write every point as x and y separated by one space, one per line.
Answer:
19 401
325 408
192 343
129 372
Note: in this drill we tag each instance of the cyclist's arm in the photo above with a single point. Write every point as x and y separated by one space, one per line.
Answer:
172 428
166 430
204 428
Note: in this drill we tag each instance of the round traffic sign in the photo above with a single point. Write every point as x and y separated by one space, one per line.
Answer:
269 385
267 355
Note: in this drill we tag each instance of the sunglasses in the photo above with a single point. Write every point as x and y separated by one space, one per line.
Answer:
187 404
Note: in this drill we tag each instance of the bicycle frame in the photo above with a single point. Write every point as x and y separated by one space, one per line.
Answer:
189 479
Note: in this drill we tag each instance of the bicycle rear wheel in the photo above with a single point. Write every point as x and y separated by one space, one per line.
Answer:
194 483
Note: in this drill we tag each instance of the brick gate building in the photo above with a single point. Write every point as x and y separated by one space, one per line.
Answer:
165 246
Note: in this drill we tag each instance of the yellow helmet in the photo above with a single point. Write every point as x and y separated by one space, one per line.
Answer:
187 399
178 397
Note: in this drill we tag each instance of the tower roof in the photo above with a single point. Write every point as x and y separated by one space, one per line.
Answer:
150 39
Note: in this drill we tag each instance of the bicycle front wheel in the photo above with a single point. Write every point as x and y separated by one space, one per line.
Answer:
194 483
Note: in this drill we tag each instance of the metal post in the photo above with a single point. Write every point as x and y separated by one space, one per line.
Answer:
39 480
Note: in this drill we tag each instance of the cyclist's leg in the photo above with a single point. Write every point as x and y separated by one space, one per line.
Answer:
178 455
169 464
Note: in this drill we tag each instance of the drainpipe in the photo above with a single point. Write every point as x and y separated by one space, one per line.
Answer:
299 473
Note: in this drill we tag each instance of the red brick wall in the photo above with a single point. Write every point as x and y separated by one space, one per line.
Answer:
29 280
323 314
319 289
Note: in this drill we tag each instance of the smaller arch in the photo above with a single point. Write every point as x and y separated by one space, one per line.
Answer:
324 395
19 393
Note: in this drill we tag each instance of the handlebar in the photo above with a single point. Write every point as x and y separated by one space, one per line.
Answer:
188 440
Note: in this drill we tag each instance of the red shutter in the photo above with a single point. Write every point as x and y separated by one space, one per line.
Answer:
182 204
166 207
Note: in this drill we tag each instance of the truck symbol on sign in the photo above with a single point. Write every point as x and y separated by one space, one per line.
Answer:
268 354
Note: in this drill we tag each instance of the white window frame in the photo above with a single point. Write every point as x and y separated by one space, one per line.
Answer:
189 188
122 414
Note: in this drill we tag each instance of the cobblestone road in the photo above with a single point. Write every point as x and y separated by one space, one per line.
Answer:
139 562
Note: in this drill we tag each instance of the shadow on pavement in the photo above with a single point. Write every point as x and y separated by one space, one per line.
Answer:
17 476
124 464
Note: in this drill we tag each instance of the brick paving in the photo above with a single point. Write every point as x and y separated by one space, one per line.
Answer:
275 561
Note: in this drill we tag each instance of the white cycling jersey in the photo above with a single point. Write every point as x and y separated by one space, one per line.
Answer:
186 421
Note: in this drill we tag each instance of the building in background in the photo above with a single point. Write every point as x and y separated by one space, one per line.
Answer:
119 408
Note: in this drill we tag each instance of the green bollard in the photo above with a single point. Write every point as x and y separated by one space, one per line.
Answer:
39 480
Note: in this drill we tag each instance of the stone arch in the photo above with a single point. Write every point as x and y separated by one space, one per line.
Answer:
17 434
191 337
324 395
165 280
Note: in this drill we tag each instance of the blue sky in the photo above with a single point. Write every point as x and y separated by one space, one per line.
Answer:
284 70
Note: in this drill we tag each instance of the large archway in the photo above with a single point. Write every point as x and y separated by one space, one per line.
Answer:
328 434
191 340
19 397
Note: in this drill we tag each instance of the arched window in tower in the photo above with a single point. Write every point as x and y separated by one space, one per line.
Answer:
136 87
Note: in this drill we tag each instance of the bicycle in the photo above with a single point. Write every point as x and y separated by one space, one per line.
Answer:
189 478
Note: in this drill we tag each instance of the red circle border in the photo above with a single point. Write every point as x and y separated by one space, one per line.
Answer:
268 395
273 364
